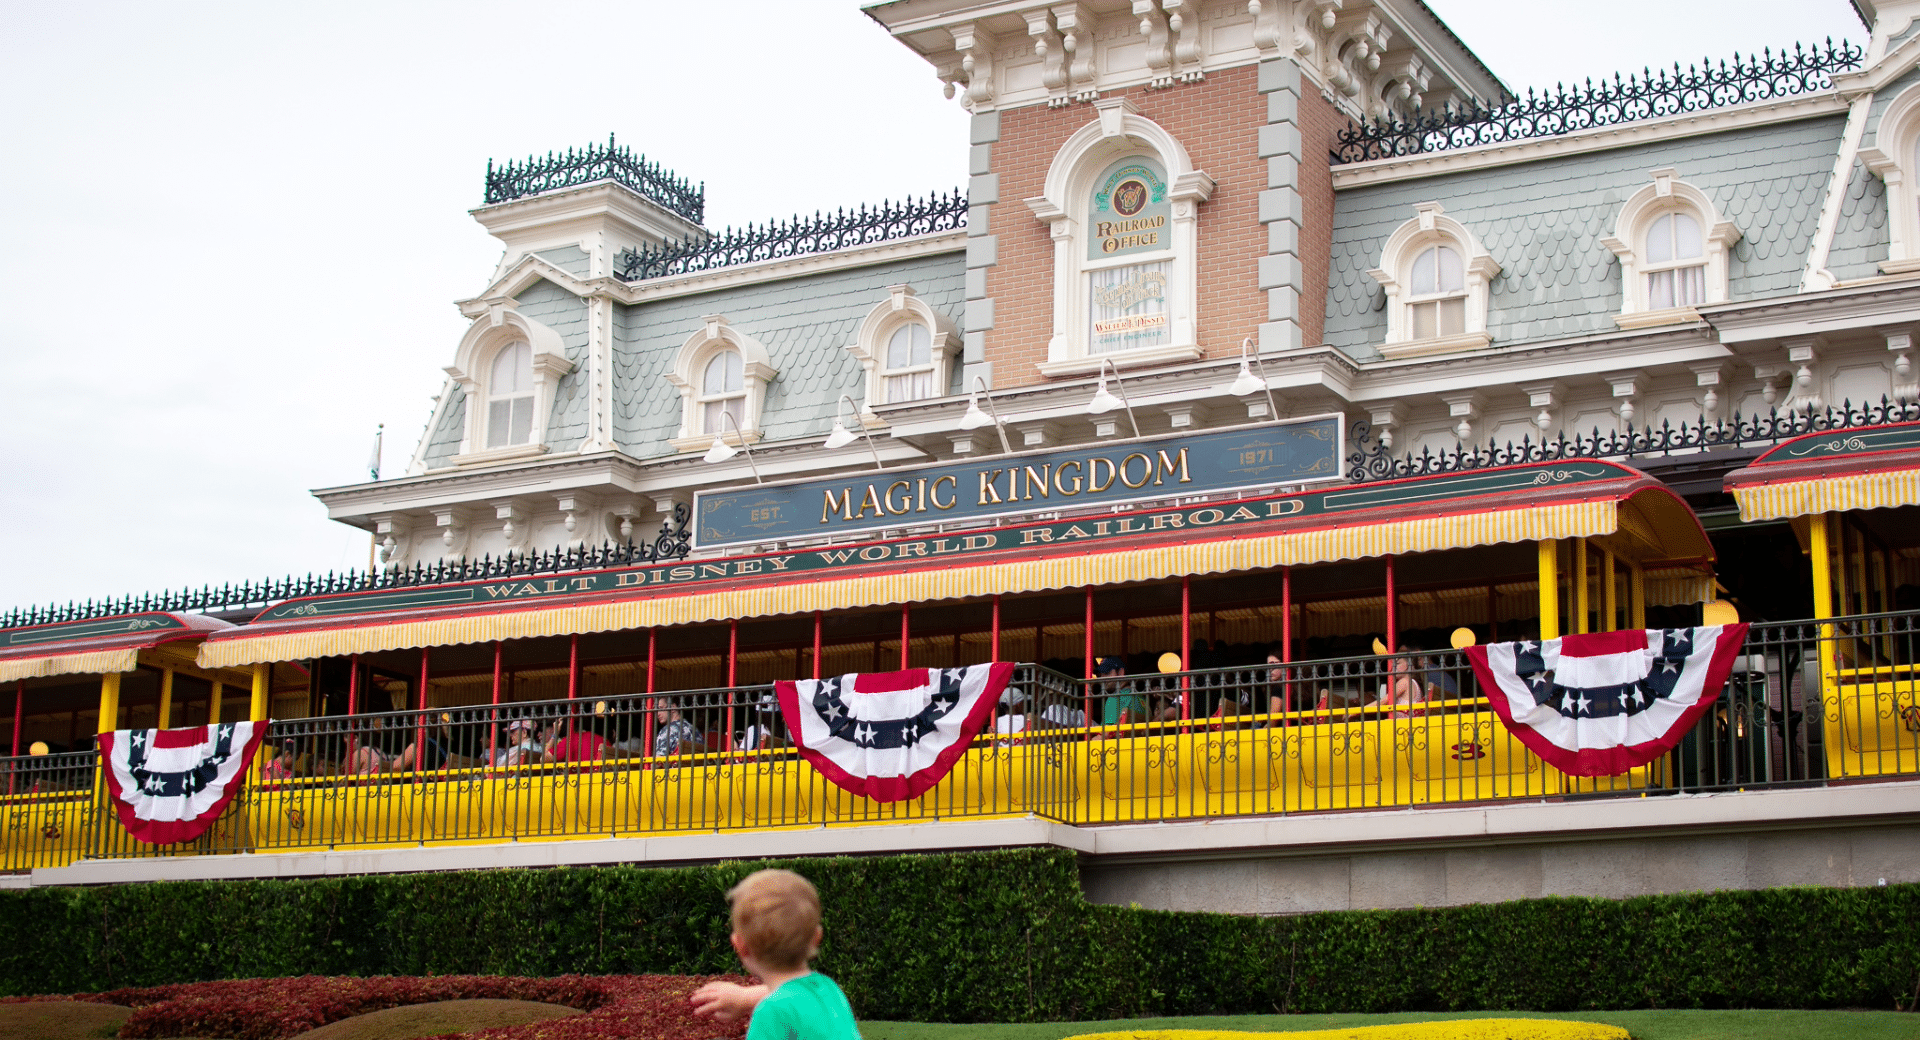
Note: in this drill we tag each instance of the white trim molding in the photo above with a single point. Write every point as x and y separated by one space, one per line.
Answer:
1891 158
902 307
500 326
1667 194
756 371
1431 227
1119 132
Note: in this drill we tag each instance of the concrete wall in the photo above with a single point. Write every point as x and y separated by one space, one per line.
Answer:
1611 868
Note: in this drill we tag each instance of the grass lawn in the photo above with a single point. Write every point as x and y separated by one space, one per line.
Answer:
1644 1025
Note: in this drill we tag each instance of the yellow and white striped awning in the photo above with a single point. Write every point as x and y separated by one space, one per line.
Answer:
1828 494
290 641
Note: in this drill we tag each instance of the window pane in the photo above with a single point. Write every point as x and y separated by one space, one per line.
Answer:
1660 290
1452 279
922 345
723 373
903 344
1660 240
1453 316
522 420
512 371
1686 237
1128 308
1422 279
1423 319
1690 289
498 416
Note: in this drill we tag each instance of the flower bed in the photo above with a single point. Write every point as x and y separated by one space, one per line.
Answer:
618 1007
1458 1029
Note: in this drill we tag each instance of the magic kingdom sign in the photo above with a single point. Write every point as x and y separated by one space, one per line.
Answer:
1293 452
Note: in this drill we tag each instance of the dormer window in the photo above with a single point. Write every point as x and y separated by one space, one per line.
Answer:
723 391
720 372
1436 277
907 349
506 373
1676 263
1437 294
1672 246
510 396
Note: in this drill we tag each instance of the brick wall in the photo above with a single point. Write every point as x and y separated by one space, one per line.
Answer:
1218 120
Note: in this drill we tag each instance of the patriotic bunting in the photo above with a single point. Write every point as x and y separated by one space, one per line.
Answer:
1605 703
892 735
169 785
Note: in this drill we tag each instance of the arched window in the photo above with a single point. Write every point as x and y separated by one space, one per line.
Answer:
1676 265
510 396
1892 153
1437 293
506 372
719 372
722 390
1436 277
1121 201
1672 246
907 349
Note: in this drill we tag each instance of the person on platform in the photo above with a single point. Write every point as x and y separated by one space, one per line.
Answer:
1120 703
776 931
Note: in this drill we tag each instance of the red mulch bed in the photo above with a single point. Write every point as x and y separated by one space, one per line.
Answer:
618 1007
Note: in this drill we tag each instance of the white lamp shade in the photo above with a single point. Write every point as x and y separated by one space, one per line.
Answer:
840 437
1246 382
1102 403
975 417
720 452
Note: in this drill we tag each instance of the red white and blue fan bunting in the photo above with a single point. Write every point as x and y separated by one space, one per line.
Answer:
891 735
169 785
1601 704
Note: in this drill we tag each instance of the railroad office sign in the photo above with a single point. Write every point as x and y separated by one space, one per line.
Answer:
1295 451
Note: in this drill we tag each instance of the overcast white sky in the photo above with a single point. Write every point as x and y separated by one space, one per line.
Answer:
231 232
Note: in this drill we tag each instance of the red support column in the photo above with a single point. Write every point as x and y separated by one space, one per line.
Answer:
905 637
1393 636
1086 691
420 715
653 633
19 708
733 662
1186 646
353 705
1286 614
1088 652
994 653
493 717
816 644
573 667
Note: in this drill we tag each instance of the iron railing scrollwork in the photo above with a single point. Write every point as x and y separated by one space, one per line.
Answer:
597 162
801 236
1369 459
1566 109
672 543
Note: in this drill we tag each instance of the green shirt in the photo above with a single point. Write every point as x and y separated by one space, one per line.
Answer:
1124 699
810 1007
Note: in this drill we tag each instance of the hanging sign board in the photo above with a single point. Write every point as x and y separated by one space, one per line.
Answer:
1296 451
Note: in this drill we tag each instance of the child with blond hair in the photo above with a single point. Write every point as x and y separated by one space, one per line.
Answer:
776 931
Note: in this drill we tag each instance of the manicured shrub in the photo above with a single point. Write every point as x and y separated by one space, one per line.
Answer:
995 936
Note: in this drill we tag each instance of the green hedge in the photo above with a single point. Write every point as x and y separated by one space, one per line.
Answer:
1001 936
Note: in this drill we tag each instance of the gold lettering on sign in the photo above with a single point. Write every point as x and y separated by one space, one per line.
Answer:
933 493
1116 235
843 505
